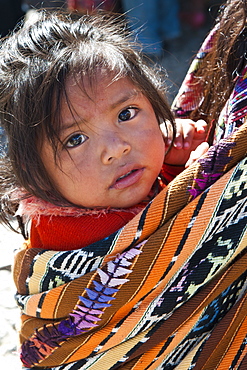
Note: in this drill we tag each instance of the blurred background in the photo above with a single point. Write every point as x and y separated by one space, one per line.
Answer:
171 32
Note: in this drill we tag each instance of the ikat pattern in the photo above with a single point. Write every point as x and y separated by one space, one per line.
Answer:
86 314
64 267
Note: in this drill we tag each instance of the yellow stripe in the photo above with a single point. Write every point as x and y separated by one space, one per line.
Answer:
39 270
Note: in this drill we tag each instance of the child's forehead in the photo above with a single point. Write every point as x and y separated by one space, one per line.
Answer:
90 81
92 87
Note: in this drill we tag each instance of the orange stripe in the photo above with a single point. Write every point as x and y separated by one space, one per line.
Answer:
147 358
236 342
50 301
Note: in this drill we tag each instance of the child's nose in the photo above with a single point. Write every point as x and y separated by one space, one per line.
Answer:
114 148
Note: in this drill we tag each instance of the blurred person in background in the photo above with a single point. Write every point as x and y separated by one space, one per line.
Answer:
193 12
155 23
84 6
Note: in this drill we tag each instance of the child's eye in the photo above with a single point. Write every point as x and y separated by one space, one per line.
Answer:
127 114
76 140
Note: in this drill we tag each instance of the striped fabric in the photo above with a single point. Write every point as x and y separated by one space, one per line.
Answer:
167 291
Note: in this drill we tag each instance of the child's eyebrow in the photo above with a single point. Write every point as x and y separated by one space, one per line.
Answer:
125 98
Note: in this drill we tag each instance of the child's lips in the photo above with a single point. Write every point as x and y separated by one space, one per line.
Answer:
128 179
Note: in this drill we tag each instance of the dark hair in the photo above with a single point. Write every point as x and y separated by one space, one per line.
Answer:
34 64
224 62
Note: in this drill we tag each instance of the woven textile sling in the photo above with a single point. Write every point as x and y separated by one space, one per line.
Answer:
167 291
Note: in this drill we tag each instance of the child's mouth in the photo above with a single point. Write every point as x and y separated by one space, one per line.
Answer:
127 174
129 179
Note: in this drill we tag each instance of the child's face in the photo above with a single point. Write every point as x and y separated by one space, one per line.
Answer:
113 149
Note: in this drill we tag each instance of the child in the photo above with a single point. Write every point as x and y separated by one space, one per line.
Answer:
84 117
96 143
